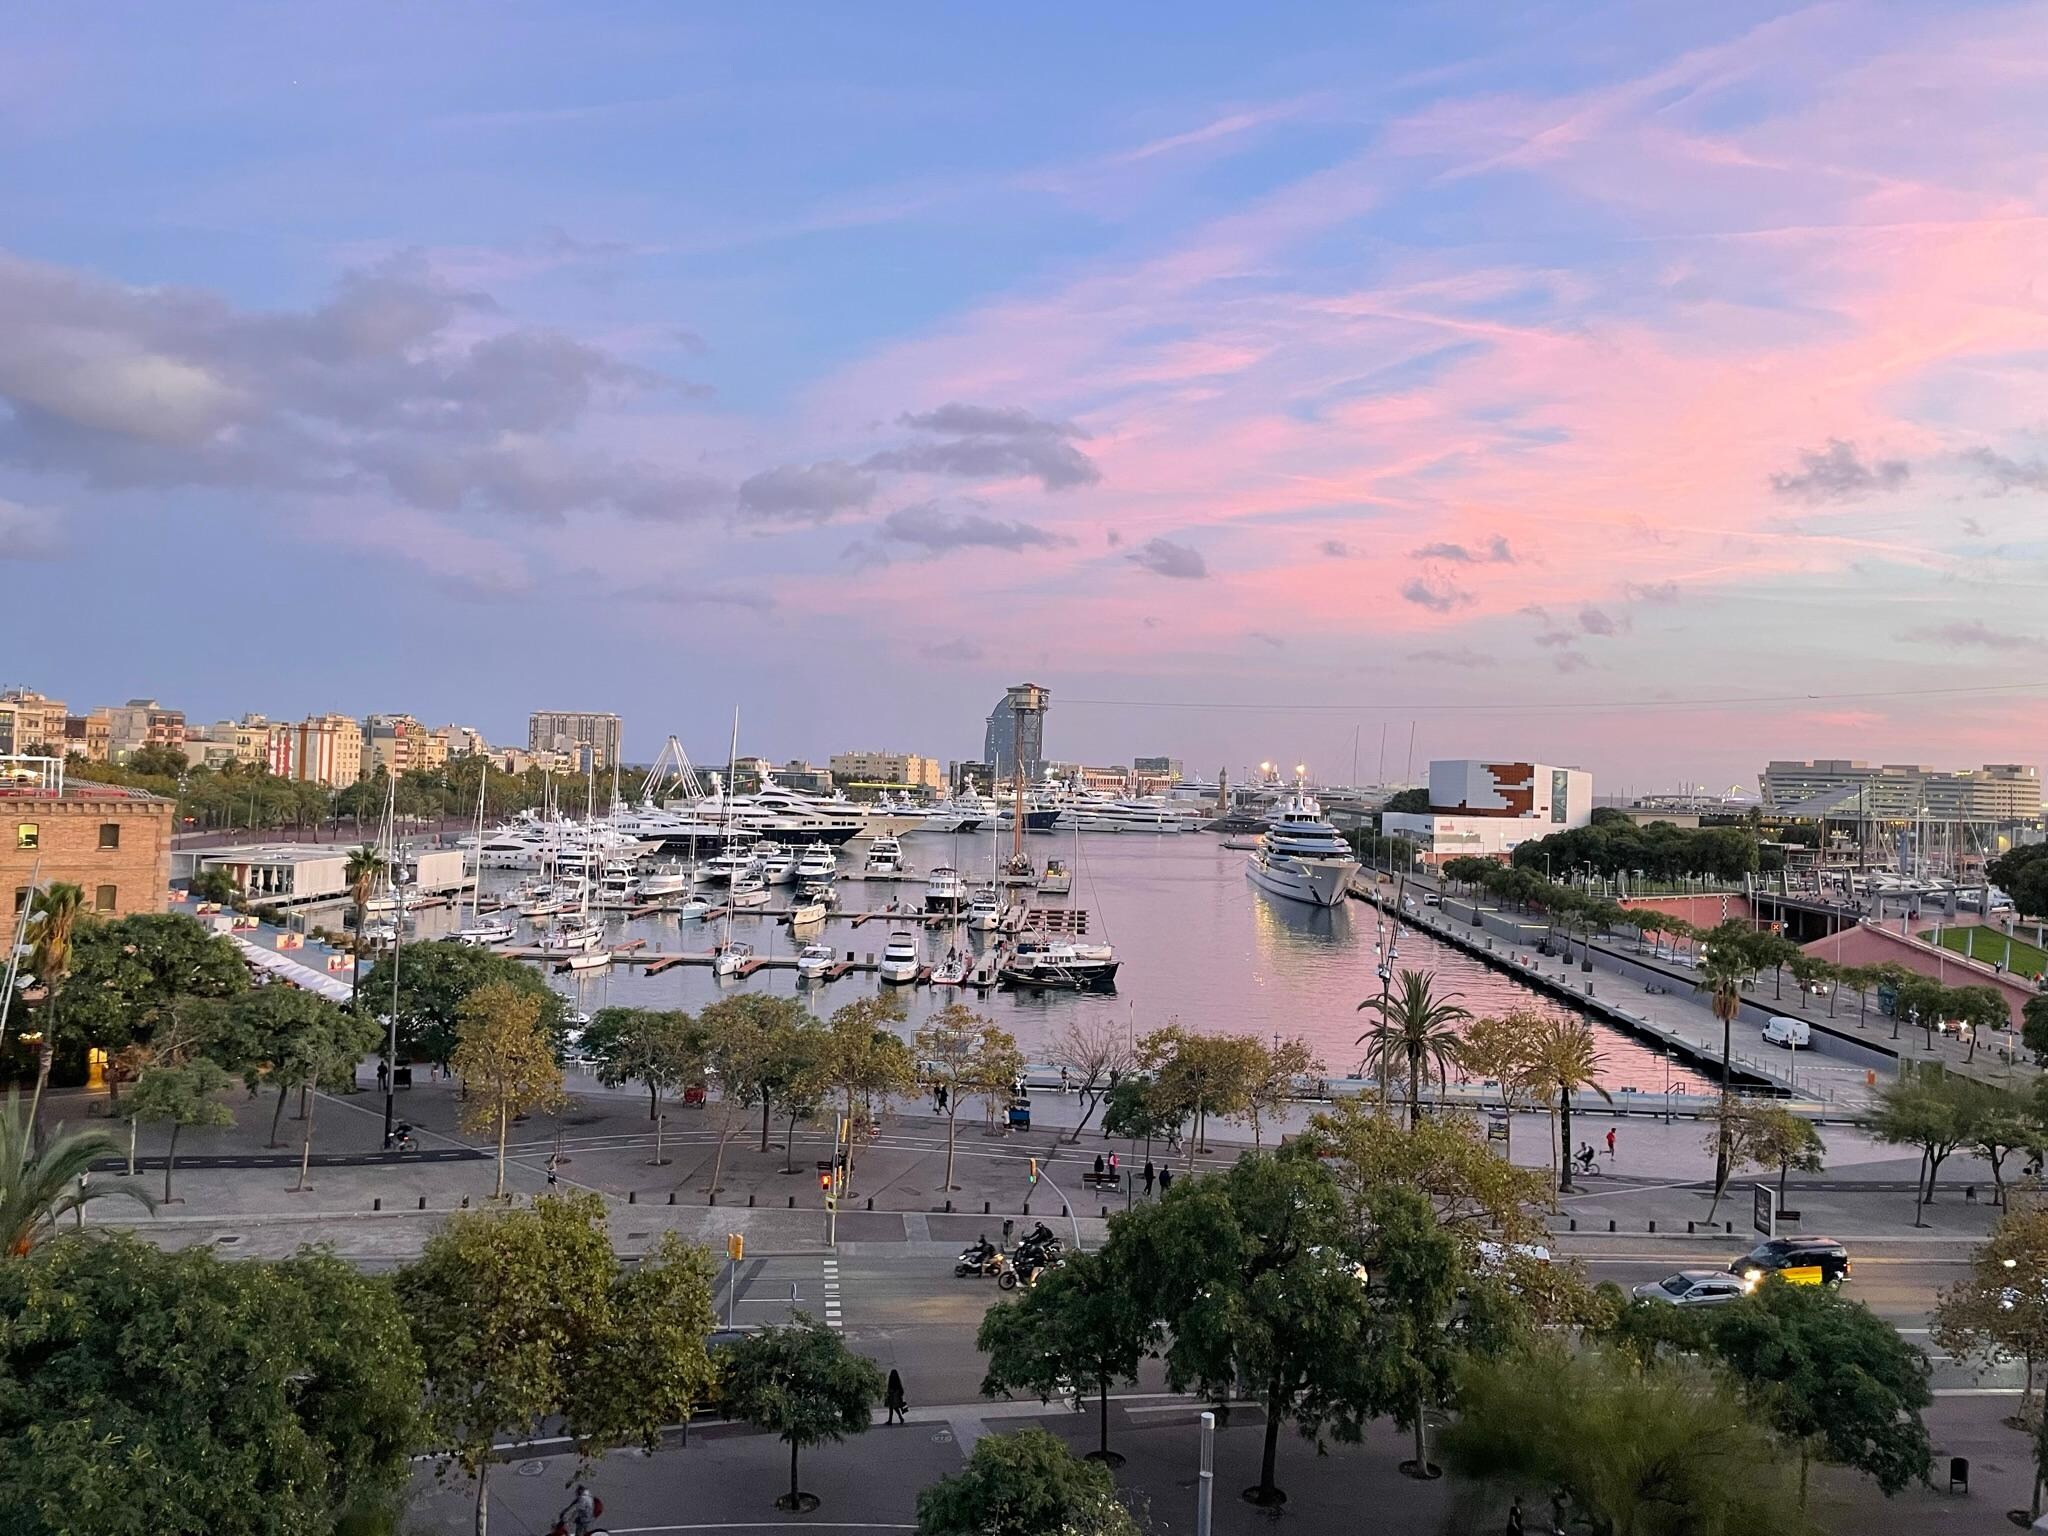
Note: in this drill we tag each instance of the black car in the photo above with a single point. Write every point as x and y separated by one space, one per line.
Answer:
1795 1260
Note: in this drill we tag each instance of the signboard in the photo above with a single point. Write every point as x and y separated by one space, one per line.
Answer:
1765 1218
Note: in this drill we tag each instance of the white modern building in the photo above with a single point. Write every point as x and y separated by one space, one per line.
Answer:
1485 809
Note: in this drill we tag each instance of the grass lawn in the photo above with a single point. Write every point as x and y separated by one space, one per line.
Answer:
1988 945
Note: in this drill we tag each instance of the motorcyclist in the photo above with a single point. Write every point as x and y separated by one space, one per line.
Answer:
982 1251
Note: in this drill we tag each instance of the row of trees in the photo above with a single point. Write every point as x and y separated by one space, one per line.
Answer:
1661 851
1370 1270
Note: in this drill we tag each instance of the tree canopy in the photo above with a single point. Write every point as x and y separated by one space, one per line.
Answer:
143 1391
799 1381
434 978
1025 1484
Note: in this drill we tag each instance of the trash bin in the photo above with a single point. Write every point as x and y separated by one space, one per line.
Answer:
1959 1474
402 1078
1020 1117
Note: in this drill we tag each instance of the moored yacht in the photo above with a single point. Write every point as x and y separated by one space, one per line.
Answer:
899 961
1301 856
818 865
985 910
885 857
488 930
1059 965
1057 880
943 889
813 961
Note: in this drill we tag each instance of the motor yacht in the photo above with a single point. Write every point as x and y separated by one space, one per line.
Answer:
747 891
778 864
985 910
1301 856
891 816
885 857
1044 964
943 889
810 910
617 887
899 959
693 907
813 961
671 879
818 865
1057 880
968 811
733 864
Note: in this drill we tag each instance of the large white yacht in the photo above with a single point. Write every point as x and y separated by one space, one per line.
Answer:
968 811
1301 856
787 815
943 889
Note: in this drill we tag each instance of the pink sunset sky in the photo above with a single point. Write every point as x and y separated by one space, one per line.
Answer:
1659 394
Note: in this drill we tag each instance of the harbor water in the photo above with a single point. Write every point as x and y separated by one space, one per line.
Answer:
1199 944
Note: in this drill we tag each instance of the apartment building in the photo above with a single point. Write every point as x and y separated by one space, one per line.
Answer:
593 740
399 744
320 749
143 723
31 722
1842 787
887 768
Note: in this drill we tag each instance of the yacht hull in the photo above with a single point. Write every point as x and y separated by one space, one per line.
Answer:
1317 883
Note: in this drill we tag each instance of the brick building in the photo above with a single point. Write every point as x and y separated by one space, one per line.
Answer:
114 844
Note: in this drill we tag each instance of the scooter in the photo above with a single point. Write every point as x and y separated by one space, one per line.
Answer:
973 1262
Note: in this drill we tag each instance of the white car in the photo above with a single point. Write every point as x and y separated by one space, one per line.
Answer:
1694 1288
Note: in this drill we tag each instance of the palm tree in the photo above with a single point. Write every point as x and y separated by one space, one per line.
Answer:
1723 970
1416 1024
37 1189
51 925
365 867
1568 1062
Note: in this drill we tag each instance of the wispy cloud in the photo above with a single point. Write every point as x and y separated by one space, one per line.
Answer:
1970 634
1494 551
1163 557
1454 656
2007 474
813 491
932 528
950 650
1436 595
1839 473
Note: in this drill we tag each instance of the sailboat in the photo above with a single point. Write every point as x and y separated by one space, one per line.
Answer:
730 958
1018 868
480 929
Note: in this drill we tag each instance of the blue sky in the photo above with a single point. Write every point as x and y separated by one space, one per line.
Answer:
1541 374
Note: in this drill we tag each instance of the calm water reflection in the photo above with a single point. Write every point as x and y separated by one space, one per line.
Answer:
1199 943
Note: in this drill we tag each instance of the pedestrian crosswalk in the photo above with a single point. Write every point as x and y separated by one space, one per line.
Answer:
832 1318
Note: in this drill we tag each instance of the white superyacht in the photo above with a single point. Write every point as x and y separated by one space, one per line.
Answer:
1301 856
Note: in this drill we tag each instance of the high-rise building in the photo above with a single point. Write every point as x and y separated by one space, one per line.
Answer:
887 768
1842 787
320 749
30 722
1168 768
143 723
595 740
1016 731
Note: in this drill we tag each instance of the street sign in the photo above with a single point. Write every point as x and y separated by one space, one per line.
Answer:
1765 1217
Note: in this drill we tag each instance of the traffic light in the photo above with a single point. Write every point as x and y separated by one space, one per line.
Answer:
825 1179
735 1246
1034 1170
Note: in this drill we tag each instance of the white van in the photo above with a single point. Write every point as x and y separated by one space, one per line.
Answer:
1779 1030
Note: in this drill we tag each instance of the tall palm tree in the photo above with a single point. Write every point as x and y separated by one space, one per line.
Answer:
1723 970
1568 1062
37 1189
1415 1024
364 868
52 922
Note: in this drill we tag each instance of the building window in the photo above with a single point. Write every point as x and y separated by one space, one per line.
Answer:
110 834
26 835
20 897
103 899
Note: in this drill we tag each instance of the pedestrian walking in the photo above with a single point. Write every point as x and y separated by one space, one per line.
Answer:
554 1161
1610 1142
1515 1518
1112 1163
1009 1226
1150 1174
1165 1181
894 1400
383 1077
1063 1080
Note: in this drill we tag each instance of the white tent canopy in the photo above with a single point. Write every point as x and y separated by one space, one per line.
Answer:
333 988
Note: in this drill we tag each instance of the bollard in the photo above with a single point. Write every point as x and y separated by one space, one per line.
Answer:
1574 1224
423 1202
671 1197
984 1207
1689 1226
1027 1207
712 1198
871 1202
377 1204
1610 1223
632 1197
1105 1213
1653 1226
465 1202
750 1202
1731 1228
1063 1211
792 1202
949 1207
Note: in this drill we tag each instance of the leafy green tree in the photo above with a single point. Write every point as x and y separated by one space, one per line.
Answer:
800 1382
1418 1027
1632 1448
664 1050
54 913
135 983
39 1186
505 1062
2023 875
1999 1310
1568 1063
1246 1270
149 1391
187 1094
1193 1077
1415 1269
1645 1331
216 885
280 1036
1134 1111
866 1064
1082 1324
1832 1378
1504 1050
1928 1109
1472 1192
433 980
527 1317
1758 1133
1981 1010
1410 802
1282 1069
966 1053
2034 1025
1998 1123
1025 1484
